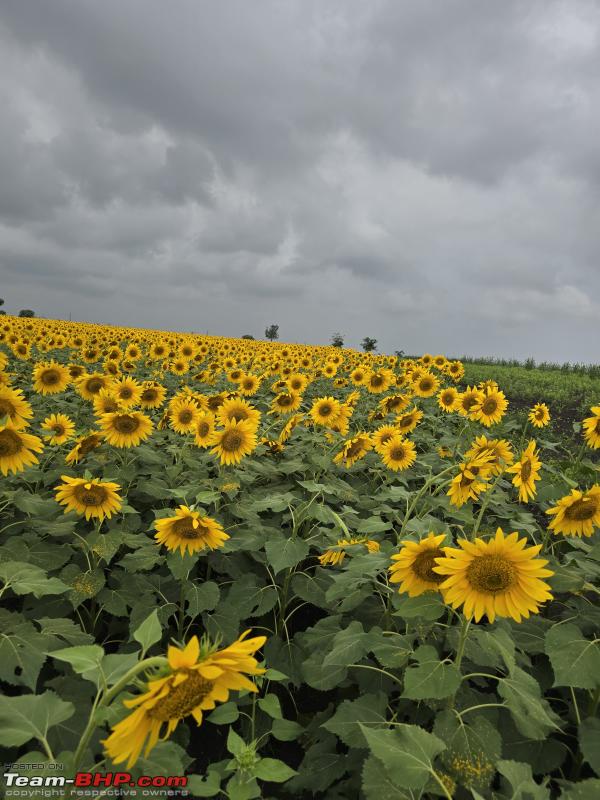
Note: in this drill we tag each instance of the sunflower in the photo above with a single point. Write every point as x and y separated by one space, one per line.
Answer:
358 376
448 399
127 392
91 497
236 440
50 377
497 451
456 370
426 386
184 416
205 427
526 472
591 427
444 452
89 384
395 403
286 402
398 453
83 446
578 513
467 399
289 426
199 676
471 481
539 416
273 446
382 435
490 408
237 410
60 428
335 555
248 385
409 421
413 567
297 382
125 428
379 381
14 406
500 577
17 448
353 450
189 530
105 402
325 411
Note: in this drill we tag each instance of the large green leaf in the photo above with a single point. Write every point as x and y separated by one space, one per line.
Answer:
28 579
368 709
431 677
575 659
407 752
589 742
523 697
30 717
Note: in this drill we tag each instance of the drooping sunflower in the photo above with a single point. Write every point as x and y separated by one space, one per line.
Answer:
335 555
289 426
205 428
60 428
325 411
578 513
89 497
83 446
539 416
471 480
409 421
234 441
448 399
526 472
14 407
17 448
199 676
125 428
398 453
591 428
50 377
413 565
499 578
353 450
394 403
490 408
189 530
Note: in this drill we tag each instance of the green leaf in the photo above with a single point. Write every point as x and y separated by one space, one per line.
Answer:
149 632
494 648
376 784
270 705
589 742
30 716
432 678
428 606
523 697
286 730
28 579
575 660
284 553
407 753
475 743
348 645
204 785
373 525
235 743
85 659
272 769
584 790
201 597
368 709
521 781
224 714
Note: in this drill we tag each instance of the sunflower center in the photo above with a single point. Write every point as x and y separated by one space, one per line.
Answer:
489 406
125 423
325 410
376 381
285 400
526 470
182 699
7 409
125 393
93 496
88 444
59 429
397 453
425 562
50 377
10 443
184 527
426 385
203 429
185 417
491 573
231 441
581 509
94 385
469 402
354 449
149 395
239 415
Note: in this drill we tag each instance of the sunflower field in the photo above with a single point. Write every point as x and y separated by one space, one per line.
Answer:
291 571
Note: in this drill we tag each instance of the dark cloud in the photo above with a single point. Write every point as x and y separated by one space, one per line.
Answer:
425 173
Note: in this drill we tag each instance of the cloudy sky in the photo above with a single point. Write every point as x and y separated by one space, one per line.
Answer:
424 172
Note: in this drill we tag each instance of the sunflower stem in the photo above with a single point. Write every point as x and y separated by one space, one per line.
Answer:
460 650
420 494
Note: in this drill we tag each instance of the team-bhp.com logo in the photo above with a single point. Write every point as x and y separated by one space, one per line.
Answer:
20 785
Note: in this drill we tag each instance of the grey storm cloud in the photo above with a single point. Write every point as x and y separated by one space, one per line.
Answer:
426 173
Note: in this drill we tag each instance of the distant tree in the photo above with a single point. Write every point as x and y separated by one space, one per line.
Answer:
272 332
26 312
247 336
1 304
337 340
368 344
399 353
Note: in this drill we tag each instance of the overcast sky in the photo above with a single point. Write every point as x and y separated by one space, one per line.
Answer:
424 172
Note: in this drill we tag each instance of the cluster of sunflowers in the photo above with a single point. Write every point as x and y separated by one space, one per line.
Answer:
239 398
